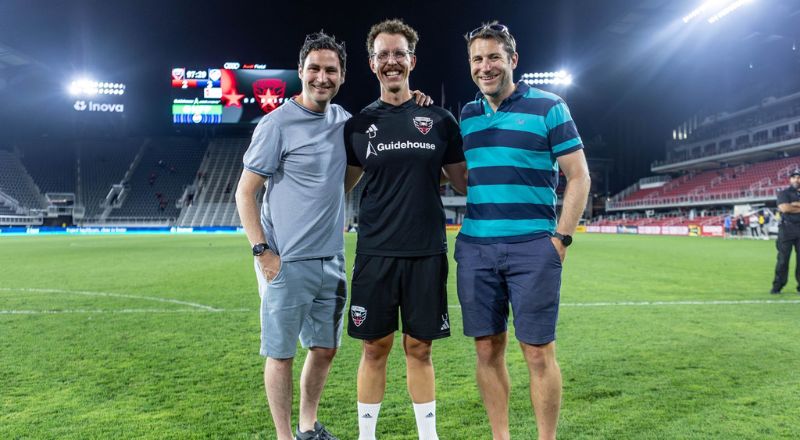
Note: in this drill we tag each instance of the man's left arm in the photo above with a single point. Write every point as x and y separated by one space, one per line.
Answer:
456 174
454 169
575 195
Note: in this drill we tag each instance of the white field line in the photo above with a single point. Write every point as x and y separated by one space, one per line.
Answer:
204 308
113 295
671 303
111 311
682 303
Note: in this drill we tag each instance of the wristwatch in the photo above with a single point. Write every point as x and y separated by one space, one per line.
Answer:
259 249
565 239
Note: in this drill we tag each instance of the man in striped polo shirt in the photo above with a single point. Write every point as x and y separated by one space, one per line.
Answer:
512 246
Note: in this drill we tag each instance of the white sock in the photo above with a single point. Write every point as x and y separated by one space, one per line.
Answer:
367 420
426 420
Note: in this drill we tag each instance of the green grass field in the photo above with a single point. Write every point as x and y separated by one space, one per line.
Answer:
157 337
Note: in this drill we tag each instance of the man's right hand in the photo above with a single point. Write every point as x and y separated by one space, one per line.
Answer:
270 265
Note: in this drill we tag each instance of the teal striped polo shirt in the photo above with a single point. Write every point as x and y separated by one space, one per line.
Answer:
511 157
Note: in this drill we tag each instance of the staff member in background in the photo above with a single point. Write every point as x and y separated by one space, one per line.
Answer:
788 234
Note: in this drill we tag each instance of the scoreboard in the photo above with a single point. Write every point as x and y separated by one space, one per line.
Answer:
234 94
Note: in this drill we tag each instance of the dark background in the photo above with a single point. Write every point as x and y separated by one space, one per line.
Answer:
639 70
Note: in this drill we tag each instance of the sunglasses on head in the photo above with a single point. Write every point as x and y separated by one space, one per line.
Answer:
494 27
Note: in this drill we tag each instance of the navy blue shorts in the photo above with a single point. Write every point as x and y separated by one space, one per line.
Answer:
527 275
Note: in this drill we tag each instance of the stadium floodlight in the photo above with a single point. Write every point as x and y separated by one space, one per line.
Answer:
723 8
727 10
701 9
84 86
90 87
559 78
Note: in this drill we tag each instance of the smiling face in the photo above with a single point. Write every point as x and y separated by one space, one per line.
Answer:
321 75
491 68
391 69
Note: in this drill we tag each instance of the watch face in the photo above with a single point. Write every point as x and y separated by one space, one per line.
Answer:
259 249
567 240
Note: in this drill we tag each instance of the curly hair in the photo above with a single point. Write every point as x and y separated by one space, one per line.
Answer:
394 26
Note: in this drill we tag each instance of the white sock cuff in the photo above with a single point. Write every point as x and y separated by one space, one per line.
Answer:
429 406
371 408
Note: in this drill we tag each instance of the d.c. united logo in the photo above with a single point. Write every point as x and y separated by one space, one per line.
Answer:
359 315
423 124
268 93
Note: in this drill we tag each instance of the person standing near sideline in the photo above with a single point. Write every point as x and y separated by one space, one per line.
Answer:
511 246
788 233
297 239
401 265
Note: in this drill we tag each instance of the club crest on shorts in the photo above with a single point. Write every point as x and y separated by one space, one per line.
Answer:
423 124
358 314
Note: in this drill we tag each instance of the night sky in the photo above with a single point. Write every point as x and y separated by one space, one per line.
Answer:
639 70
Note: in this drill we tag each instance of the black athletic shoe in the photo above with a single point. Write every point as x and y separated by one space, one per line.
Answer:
319 433
775 292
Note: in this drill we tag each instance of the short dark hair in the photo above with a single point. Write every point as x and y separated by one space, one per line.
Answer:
489 31
394 26
322 41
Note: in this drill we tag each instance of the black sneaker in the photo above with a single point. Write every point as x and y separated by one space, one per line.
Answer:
774 292
319 433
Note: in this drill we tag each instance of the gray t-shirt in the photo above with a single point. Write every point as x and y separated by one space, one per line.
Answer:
302 154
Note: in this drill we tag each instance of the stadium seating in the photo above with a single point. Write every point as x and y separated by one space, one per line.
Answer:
17 183
103 164
720 183
213 203
165 169
7 210
770 121
51 165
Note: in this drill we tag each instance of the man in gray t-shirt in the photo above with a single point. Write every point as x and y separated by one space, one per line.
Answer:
297 238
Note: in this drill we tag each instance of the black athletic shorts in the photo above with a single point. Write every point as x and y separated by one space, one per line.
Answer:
415 285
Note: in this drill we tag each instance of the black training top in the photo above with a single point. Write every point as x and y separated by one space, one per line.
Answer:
402 150
789 195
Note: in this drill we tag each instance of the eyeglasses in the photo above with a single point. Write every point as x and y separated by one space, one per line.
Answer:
497 27
398 55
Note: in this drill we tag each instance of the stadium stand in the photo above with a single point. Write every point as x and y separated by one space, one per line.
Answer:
17 184
102 164
212 202
774 120
757 181
51 165
718 165
165 168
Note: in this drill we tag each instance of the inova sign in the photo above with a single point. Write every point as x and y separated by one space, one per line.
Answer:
81 105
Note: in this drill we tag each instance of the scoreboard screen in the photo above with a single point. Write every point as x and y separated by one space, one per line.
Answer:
234 94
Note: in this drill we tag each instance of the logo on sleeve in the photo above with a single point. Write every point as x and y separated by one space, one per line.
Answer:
372 131
358 314
423 124
370 150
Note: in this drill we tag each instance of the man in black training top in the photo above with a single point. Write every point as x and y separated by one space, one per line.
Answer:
401 257
788 234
